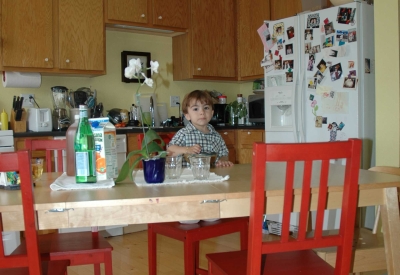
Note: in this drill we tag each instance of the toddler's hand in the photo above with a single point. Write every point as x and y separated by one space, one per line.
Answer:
223 163
195 149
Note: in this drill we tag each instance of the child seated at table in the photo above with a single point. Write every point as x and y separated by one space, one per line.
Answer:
199 136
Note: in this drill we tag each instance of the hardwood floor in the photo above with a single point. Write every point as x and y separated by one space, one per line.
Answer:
130 254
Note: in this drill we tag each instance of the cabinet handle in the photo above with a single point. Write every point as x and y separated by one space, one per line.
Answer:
225 133
199 69
67 60
143 15
160 17
46 59
249 133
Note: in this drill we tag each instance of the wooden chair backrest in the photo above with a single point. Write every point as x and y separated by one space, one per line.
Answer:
312 163
21 162
48 145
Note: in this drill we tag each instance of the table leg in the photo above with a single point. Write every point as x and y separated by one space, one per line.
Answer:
391 229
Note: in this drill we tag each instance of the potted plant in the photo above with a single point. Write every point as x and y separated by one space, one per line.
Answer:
237 110
151 152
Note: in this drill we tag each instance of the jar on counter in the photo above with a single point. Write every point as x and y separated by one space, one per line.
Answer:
222 99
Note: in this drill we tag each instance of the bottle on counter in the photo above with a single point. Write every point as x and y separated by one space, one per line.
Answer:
4 120
85 158
239 99
70 135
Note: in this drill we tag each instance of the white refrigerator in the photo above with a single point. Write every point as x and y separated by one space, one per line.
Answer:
319 77
320 81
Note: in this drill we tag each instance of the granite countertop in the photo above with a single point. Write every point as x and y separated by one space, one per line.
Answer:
128 130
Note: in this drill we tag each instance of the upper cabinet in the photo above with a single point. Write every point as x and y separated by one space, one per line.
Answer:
284 8
157 14
81 35
208 50
26 34
65 36
250 16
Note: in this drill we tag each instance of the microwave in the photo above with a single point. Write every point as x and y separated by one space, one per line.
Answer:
256 108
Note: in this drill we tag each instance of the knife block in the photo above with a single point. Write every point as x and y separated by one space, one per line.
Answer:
18 126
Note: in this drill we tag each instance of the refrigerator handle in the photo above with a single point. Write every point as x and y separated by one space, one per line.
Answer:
301 107
294 108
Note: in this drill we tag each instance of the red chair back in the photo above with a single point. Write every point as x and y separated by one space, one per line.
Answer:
21 162
165 137
48 145
307 173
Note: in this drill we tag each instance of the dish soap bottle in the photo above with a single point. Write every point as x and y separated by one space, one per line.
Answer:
71 132
85 158
4 120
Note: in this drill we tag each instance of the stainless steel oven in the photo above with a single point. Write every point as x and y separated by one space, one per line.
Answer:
256 108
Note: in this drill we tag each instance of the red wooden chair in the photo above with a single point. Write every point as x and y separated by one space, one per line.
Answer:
191 234
80 248
29 262
294 255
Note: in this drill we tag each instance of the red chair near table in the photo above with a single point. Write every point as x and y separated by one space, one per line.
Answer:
29 262
191 234
290 254
81 248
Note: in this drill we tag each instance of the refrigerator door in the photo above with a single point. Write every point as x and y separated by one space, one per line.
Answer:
281 68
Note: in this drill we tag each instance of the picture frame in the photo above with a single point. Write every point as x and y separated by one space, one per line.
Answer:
145 58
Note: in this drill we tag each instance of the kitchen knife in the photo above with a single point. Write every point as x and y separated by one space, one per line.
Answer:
14 100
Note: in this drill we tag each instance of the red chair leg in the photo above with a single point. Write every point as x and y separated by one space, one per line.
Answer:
108 264
244 234
97 269
189 256
152 250
197 255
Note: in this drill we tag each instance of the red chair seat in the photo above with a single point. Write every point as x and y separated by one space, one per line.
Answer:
306 262
191 234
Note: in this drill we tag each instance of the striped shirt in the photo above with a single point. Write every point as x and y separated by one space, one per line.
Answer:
210 142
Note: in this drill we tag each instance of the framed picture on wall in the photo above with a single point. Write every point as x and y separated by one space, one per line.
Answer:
145 60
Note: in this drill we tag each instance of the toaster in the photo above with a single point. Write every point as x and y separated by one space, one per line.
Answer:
39 120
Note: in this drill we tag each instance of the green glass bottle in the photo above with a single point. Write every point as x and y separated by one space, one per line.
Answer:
85 154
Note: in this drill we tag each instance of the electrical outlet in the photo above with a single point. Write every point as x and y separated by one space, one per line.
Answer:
28 103
173 100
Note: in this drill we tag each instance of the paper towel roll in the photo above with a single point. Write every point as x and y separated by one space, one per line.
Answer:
21 80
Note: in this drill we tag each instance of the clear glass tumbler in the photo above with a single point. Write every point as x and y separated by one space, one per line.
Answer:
200 166
173 167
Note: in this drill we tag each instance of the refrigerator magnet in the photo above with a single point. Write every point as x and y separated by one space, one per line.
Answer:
336 71
279 44
278 64
278 29
308 34
349 83
351 64
342 36
311 84
352 35
289 77
318 121
329 28
289 49
313 21
322 66
290 32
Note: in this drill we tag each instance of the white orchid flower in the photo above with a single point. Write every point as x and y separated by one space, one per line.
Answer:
148 81
154 67
134 68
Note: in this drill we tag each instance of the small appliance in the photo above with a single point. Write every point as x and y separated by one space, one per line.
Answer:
39 120
256 108
61 120
221 115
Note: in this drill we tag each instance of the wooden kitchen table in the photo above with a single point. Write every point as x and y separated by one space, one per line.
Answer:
127 203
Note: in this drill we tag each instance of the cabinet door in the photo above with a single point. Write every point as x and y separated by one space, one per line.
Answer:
249 20
245 140
213 38
284 8
27 34
134 11
230 141
171 13
81 35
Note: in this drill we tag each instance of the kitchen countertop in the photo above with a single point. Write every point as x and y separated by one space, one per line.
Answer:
127 130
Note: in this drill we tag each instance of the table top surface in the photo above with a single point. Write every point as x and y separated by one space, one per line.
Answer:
128 193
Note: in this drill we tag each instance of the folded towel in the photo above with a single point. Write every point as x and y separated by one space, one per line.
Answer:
64 182
185 178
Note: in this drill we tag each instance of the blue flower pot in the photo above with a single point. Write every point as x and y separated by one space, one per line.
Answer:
154 170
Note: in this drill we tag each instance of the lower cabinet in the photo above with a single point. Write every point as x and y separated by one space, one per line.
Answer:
245 140
230 141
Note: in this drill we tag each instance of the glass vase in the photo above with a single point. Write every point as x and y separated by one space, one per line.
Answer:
154 170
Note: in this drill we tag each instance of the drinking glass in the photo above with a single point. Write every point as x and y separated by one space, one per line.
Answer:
173 167
37 168
200 167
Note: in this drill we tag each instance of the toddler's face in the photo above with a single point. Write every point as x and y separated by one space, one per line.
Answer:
199 113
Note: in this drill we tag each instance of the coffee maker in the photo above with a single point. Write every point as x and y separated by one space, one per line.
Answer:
221 115
60 117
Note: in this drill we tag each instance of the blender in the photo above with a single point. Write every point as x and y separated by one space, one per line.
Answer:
61 120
